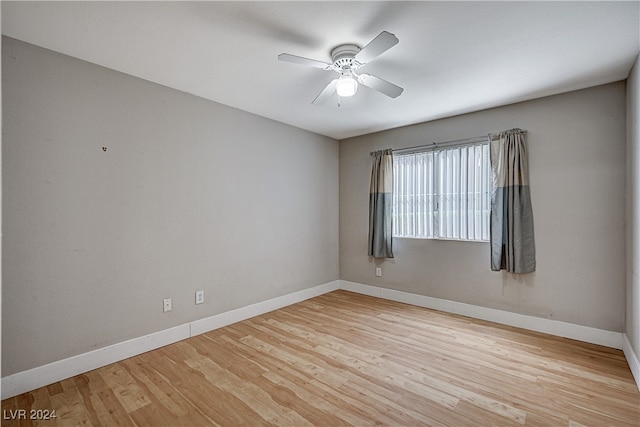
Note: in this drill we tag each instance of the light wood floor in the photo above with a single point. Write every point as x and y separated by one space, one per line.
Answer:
347 359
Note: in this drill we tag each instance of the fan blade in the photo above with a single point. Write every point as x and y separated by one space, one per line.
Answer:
304 61
380 85
383 42
326 93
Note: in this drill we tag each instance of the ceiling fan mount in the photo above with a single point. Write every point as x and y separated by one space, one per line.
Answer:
346 59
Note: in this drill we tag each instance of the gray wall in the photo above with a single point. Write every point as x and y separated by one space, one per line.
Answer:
189 195
577 167
633 208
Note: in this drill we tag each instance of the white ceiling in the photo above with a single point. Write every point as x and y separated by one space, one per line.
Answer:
452 58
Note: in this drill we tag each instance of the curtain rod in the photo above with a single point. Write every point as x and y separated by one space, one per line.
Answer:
435 145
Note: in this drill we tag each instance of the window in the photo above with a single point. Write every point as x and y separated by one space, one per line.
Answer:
443 193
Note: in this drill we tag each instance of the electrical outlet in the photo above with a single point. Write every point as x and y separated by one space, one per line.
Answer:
199 297
379 271
168 305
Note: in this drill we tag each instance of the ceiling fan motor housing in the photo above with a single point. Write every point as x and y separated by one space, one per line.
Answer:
343 58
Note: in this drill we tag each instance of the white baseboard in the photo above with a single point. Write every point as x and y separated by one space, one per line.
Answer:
538 324
632 359
40 376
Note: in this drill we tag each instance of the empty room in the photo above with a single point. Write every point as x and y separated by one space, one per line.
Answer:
320 213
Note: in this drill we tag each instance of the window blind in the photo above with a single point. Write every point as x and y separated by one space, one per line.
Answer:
443 193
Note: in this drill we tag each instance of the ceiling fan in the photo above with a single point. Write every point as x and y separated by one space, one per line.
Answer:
347 58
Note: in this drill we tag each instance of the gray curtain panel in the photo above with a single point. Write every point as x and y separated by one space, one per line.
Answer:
512 242
380 205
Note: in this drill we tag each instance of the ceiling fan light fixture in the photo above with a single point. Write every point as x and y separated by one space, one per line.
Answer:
346 86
